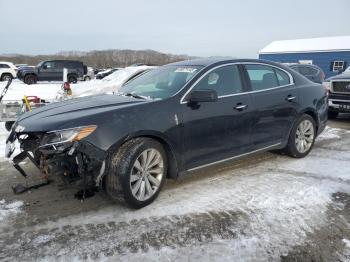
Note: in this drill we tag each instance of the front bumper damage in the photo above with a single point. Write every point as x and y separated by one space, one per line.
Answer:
74 162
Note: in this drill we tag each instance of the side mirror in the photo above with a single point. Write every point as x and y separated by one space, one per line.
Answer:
44 66
205 95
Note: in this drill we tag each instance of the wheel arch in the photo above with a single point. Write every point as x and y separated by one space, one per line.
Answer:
172 156
311 112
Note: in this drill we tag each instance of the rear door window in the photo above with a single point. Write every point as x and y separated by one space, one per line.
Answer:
261 77
224 80
264 77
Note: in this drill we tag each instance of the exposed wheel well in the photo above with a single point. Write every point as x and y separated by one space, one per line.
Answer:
4 74
30 74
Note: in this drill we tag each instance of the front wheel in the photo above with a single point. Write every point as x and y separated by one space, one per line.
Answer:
30 79
137 172
302 137
6 77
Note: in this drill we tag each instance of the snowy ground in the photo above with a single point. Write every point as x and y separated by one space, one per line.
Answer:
261 208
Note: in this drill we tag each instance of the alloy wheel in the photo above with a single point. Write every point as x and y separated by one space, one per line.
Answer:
146 174
304 136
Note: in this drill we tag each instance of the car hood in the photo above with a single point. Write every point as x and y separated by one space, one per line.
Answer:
342 76
74 112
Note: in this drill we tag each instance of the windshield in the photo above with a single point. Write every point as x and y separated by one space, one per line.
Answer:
160 83
39 65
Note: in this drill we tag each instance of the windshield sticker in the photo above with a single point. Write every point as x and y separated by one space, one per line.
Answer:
189 70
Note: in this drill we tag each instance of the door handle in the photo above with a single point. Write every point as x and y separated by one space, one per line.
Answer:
240 107
290 98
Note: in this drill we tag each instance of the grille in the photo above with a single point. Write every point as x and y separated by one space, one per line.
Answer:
341 87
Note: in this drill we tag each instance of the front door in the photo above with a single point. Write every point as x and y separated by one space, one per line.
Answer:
214 131
47 71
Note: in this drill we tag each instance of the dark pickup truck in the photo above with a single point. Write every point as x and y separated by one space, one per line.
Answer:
52 71
339 94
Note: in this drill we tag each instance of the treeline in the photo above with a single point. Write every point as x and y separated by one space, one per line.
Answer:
103 58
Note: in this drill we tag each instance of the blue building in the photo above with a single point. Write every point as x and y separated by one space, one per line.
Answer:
330 53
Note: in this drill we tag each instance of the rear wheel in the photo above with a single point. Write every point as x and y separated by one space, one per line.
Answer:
332 114
30 79
137 172
72 79
302 137
6 77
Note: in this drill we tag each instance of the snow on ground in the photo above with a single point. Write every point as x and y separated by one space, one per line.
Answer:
8 210
277 202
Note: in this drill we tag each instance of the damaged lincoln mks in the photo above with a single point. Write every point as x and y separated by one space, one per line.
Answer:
170 121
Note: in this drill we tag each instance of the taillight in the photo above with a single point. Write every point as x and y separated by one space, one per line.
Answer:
326 87
322 76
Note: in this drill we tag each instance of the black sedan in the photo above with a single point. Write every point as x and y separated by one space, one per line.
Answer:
173 120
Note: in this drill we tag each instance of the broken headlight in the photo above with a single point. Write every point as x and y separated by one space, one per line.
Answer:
58 137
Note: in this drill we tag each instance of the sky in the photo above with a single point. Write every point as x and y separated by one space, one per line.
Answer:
193 27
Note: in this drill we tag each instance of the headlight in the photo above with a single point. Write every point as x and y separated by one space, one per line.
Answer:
66 135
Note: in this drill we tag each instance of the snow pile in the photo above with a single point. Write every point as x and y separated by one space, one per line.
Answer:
109 84
18 90
332 133
9 209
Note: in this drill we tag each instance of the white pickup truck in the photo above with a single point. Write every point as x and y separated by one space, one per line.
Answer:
339 93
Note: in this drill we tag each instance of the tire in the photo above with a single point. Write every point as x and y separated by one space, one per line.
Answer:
30 79
72 79
300 145
126 180
6 77
332 114
87 78
8 125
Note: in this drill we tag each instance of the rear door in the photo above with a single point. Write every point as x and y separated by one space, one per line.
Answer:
276 101
58 71
214 131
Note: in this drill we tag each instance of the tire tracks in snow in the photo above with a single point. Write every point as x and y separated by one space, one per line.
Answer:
94 241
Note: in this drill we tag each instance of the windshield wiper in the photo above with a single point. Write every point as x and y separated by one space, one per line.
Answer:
134 95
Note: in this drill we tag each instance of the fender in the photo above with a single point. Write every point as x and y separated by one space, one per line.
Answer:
173 152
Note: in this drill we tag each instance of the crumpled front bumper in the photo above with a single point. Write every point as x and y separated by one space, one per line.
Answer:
84 156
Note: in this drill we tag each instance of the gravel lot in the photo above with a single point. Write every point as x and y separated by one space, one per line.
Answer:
262 208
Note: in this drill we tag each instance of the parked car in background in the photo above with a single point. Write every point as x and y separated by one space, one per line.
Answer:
173 120
53 71
105 73
7 71
109 84
339 93
312 72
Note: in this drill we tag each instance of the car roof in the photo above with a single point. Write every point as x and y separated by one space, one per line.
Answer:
219 60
